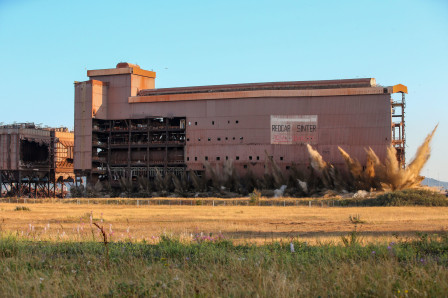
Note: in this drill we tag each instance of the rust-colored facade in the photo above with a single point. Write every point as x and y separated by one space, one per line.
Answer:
124 127
33 160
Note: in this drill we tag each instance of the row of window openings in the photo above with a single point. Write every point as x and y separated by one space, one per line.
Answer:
245 166
227 158
213 122
219 139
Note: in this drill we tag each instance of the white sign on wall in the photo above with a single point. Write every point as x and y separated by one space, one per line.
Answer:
294 129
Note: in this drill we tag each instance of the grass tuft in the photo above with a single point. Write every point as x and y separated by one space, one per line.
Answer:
22 208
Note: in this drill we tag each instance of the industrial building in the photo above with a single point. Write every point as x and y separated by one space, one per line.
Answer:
125 127
35 160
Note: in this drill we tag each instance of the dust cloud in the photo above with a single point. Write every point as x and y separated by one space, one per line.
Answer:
387 175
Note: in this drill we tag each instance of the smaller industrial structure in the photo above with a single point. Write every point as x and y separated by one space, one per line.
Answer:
35 161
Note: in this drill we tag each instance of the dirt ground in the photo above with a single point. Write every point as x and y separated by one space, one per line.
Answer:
239 223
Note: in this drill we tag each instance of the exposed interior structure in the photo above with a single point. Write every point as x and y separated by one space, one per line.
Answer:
137 147
34 152
35 161
125 127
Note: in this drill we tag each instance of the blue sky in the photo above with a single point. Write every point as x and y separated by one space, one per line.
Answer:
47 45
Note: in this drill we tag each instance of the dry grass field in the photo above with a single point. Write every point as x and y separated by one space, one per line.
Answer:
237 223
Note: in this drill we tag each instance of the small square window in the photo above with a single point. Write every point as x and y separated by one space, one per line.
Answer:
258 157
288 167
206 158
188 139
227 138
250 157
236 121
233 138
245 166
218 158
241 138
281 157
199 139
195 123
209 139
188 159
237 158
219 139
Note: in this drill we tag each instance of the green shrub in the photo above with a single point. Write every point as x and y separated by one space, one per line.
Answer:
254 197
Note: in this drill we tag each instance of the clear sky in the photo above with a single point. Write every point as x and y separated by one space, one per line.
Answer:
47 45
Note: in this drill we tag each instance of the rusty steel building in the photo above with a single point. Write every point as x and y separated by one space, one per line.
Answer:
125 127
35 160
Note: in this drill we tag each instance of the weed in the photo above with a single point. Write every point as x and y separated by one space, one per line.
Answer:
105 242
354 237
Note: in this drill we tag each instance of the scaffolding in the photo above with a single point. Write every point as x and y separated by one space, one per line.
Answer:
398 128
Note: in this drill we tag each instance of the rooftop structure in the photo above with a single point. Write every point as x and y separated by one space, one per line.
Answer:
125 127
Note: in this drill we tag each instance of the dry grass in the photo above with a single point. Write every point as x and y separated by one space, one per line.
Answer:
239 223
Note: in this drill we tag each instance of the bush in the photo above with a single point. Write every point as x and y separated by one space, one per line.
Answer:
412 197
254 197
407 197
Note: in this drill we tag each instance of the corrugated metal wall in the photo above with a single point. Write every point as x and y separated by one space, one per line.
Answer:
239 128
